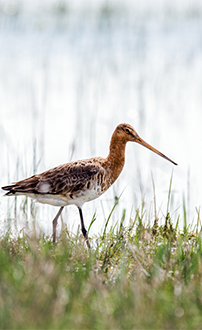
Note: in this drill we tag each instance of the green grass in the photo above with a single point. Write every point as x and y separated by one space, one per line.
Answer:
133 278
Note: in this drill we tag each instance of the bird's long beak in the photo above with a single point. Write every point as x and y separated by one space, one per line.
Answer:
145 144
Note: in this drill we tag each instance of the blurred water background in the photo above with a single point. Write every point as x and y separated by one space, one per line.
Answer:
70 71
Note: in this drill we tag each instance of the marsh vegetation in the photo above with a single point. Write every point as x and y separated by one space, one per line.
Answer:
135 277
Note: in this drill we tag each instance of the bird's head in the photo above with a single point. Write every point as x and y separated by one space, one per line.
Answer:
126 132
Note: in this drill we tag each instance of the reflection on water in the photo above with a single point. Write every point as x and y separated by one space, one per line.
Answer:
69 75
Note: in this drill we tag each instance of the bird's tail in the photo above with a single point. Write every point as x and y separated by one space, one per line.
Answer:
11 190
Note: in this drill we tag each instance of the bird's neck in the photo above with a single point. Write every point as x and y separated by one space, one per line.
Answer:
116 158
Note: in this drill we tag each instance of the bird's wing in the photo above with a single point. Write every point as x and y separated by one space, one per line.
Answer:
63 179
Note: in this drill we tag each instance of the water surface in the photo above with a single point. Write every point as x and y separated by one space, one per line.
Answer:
68 76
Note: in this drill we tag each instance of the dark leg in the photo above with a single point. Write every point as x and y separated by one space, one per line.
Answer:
83 229
55 221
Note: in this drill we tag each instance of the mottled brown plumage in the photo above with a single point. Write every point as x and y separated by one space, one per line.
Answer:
80 181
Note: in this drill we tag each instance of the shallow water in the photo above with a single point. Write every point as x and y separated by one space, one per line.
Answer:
68 76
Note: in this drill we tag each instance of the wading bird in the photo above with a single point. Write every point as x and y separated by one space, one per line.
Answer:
80 181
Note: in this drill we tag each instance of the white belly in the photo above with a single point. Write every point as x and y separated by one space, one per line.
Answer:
62 200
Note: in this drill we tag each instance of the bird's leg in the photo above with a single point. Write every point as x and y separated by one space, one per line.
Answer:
83 229
55 220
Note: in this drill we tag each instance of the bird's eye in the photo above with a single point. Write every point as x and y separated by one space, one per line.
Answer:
127 131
